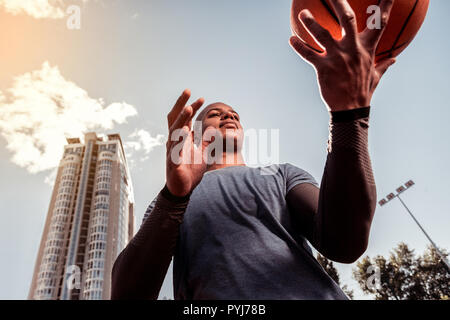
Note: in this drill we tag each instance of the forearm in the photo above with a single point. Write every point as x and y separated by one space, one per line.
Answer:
347 197
140 269
348 75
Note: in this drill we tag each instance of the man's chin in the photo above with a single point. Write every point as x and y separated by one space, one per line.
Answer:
233 140
232 136
231 132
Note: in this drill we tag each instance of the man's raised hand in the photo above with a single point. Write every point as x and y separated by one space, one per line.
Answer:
346 71
182 173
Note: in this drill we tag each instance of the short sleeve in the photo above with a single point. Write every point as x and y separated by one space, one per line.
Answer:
295 176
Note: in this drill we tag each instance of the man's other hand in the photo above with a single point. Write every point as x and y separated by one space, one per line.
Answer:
347 72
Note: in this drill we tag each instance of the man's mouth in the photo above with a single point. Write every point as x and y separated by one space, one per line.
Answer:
229 125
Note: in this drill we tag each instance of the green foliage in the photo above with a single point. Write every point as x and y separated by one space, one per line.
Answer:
404 276
332 272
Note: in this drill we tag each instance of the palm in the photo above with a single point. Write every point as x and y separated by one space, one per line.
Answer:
184 164
189 172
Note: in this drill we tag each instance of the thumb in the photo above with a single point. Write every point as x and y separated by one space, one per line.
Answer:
383 65
304 50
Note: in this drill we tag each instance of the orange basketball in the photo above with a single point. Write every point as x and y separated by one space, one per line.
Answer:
405 21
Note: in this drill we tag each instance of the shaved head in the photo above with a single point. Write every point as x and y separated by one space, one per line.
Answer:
203 113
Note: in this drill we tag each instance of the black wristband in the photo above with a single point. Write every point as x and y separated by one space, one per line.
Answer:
172 198
350 115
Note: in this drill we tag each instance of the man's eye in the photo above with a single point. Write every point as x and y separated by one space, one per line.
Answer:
214 114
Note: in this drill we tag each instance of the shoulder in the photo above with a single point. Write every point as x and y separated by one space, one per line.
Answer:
295 175
289 169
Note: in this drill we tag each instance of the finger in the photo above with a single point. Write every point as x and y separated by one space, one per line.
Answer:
321 34
181 102
304 51
383 65
195 107
347 18
182 119
175 135
373 36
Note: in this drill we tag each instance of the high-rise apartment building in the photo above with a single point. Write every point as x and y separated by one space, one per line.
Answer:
89 221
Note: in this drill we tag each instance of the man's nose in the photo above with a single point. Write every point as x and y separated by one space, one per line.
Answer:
228 115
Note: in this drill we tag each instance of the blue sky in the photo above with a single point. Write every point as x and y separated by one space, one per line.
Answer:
142 54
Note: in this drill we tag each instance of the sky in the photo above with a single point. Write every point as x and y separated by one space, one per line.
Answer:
123 69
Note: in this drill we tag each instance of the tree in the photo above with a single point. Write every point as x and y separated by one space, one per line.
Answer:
332 272
403 276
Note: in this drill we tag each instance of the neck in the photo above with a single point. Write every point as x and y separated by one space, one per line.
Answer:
233 159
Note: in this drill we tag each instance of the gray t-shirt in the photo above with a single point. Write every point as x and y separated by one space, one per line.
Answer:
238 240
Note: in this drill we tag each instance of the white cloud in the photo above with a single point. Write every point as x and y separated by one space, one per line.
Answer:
51 177
42 108
145 141
35 8
39 9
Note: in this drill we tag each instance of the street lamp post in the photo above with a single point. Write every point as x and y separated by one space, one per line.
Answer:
392 196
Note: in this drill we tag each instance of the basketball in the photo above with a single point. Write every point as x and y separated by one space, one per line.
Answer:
405 21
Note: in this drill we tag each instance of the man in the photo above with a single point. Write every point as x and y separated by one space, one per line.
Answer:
238 234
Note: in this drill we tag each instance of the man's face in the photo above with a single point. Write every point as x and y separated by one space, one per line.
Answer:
223 118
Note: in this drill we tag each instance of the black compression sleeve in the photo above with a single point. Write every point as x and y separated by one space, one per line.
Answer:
140 269
347 198
336 218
